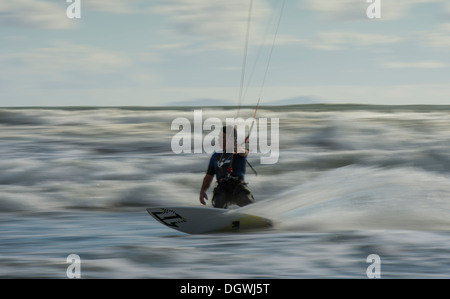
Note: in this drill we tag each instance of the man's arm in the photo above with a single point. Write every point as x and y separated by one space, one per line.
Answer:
242 151
205 186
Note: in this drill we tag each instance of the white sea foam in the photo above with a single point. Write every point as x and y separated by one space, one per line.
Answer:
350 182
337 169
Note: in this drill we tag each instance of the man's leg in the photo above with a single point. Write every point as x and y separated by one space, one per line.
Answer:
242 195
220 198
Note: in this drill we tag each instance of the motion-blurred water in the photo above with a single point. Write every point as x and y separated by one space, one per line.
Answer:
350 181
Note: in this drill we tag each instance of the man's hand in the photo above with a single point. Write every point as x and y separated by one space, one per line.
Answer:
203 196
242 151
205 185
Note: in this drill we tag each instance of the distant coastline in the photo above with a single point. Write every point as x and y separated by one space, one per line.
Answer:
296 107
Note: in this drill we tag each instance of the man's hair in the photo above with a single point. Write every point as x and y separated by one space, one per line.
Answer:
229 130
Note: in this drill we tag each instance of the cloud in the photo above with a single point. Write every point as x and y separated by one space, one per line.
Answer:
331 41
356 9
61 57
34 14
342 9
215 23
439 38
49 15
62 65
68 73
426 64
118 6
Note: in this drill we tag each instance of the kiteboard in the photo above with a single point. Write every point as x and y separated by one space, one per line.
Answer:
202 220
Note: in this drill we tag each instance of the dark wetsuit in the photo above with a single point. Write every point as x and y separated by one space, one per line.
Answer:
231 188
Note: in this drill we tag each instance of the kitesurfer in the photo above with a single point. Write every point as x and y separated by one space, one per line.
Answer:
229 168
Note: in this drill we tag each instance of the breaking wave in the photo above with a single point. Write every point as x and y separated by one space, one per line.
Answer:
339 169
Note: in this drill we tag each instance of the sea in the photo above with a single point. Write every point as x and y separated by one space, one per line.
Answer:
357 191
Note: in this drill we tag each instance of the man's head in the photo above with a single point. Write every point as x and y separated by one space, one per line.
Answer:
228 136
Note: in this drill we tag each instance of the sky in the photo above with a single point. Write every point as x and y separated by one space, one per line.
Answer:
166 52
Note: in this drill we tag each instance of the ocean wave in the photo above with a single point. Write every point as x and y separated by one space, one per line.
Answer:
114 158
12 117
362 198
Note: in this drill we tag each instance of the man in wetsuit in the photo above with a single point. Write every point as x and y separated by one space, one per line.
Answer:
229 169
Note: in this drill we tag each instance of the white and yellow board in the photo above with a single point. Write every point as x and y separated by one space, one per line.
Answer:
201 220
